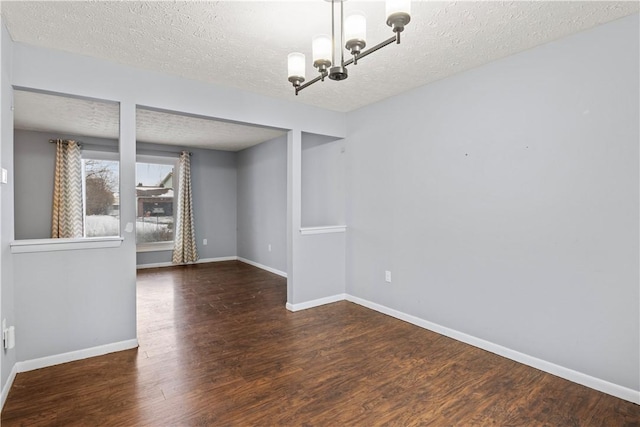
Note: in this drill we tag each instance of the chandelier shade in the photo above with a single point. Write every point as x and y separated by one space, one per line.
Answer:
397 6
322 52
355 30
398 14
296 67
328 51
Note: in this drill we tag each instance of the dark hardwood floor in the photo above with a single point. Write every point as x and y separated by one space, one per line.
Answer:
218 347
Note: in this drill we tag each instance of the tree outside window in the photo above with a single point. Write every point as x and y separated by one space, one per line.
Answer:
102 202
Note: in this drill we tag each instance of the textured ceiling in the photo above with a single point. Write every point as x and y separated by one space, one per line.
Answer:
65 115
75 116
177 129
244 44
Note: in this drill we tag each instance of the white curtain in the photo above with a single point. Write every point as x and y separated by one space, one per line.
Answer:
184 247
67 219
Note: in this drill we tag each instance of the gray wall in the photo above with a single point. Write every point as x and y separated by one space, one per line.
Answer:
323 178
507 208
81 298
7 357
34 164
213 176
63 306
262 203
95 303
214 188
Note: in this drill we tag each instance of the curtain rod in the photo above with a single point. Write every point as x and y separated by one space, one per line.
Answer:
159 153
80 143
53 141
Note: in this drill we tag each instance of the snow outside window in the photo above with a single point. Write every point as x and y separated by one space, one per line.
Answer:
101 196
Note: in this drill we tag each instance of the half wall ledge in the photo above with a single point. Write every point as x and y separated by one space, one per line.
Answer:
53 245
324 229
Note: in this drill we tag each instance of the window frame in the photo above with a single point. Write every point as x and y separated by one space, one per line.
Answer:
170 159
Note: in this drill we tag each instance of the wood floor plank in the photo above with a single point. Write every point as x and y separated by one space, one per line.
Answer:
218 348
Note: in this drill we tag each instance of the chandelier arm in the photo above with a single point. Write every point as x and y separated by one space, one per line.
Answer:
309 83
362 54
379 46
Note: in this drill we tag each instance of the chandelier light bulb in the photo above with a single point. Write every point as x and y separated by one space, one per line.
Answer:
321 48
296 67
355 28
395 6
398 14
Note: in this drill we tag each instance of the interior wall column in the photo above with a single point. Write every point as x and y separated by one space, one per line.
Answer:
294 206
128 192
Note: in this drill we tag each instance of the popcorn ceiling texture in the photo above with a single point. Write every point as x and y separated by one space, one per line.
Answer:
65 115
176 129
61 115
245 44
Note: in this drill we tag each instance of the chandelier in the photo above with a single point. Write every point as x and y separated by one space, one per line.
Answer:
354 30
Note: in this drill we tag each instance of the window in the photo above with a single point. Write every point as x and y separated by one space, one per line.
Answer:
40 118
101 197
155 201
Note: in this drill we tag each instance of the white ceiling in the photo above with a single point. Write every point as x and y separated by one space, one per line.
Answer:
244 44
63 115
178 129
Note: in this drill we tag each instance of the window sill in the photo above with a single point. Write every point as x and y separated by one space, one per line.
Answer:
53 245
155 247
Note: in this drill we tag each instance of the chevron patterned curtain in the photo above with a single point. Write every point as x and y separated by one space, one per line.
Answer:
67 219
184 246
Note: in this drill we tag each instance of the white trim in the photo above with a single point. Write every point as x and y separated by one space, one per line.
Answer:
170 159
607 387
262 266
155 247
551 368
100 152
57 359
324 230
315 302
7 386
52 245
200 261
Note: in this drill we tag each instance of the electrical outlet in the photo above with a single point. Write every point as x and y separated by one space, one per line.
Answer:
387 276
269 247
204 242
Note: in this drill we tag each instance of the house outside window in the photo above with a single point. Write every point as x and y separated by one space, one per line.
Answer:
155 203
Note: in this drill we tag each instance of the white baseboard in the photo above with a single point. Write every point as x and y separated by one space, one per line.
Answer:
57 359
219 259
7 386
551 368
262 266
200 261
315 302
